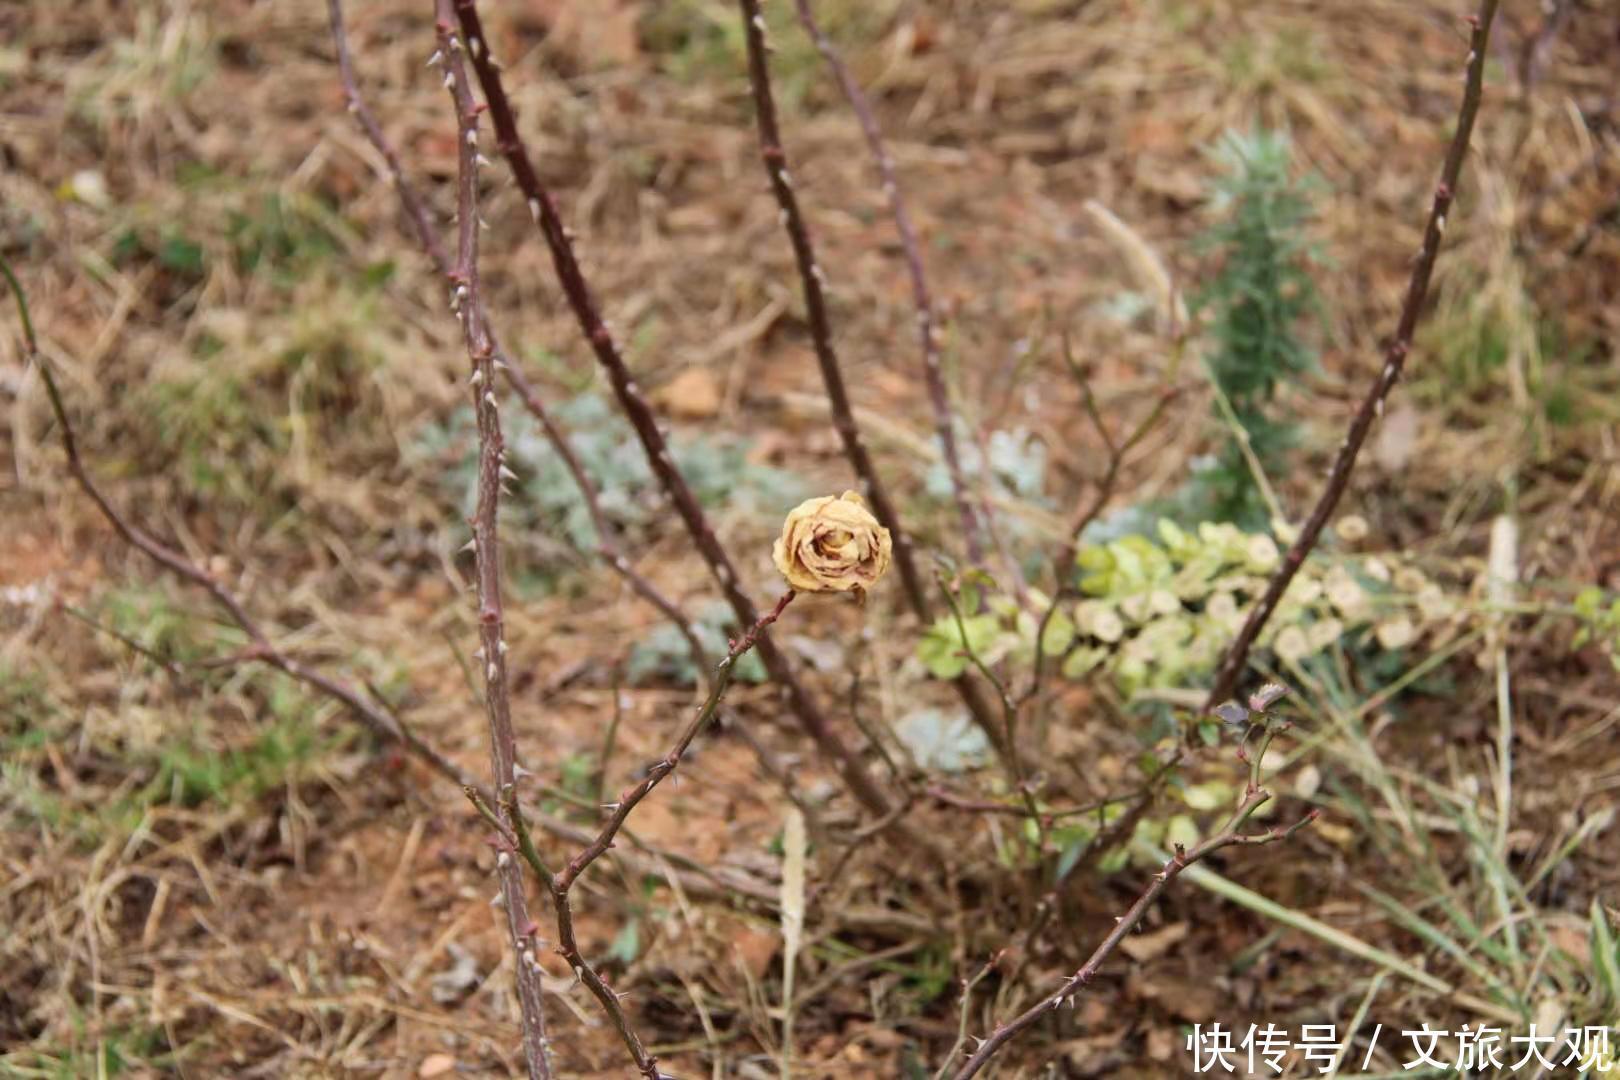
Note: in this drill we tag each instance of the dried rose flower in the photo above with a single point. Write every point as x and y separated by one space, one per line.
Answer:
833 544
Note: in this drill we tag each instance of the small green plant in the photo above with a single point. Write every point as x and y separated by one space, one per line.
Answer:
1261 292
149 617
188 774
281 235
1157 612
25 704
1491 340
697 40
153 72
1253 308
122 1051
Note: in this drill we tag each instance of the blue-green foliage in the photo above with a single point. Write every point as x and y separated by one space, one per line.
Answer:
715 465
1016 460
664 655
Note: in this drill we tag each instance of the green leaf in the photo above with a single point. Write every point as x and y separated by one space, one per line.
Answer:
942 649
973 584
1605 954
627 942
1073 843
1059 631
942 741
1174 537
1082 661
1211 795
1182 830
1004 607
1114 861
180 255
1588 601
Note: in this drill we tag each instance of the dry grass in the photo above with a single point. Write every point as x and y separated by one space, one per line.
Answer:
214 875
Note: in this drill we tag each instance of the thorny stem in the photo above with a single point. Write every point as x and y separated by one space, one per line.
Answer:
922 297
815 302
467 291
559 242
1395 355
415 209
568 945
667 764
427 235
968 986
1227 837
514 831
813 280
375 718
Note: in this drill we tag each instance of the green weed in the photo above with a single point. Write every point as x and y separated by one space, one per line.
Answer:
1261 294
1254 307
698 41
122 1051
188 774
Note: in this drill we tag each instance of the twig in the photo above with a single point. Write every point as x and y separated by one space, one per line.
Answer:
1124 826
986 483
467 290
666 765
559 242
1372 405
1533 52
728 884
509 824
968 986
986 806
1009 719
607 544
859 839
611 737
1088 512
921 295
376 719
415 209
427 235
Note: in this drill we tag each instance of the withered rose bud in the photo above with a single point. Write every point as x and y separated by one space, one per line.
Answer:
833 544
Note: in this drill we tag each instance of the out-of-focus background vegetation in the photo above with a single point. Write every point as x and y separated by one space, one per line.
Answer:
212 873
